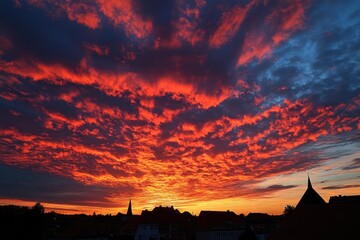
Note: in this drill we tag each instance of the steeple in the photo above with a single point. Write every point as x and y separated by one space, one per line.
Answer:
310 196
309 182
129 211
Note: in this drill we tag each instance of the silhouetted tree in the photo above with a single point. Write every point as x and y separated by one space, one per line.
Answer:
38 208
288 210
37 222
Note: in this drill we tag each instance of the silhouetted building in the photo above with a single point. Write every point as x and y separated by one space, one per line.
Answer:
129 211
344 199
219 225
261 224
165 223
313 219
310 197
315 222
129 227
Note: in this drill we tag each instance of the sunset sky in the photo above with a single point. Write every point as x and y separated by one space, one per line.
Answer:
203 105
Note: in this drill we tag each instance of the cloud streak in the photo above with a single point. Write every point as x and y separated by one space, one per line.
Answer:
355 164
342 186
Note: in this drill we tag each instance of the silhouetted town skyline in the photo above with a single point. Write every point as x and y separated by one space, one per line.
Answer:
312 218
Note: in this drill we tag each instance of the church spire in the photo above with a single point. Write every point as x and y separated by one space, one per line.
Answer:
129 211
309 182
310 196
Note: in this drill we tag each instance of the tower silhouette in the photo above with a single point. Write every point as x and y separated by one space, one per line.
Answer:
310 196
129 211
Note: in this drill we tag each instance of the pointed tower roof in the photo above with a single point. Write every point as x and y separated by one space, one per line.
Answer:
310 196
129 211
309 182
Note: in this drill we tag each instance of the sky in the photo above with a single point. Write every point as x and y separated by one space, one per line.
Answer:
200 105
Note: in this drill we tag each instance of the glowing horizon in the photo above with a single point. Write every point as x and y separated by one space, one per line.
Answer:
272 204
195 104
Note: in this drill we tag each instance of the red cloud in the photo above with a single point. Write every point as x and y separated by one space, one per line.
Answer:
282 21
80 12
229 24
124 13
121 13
186 26
113 83
100 50
289 18
255 46
186 29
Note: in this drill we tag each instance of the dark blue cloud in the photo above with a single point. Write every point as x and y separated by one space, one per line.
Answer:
320 62
43 187
37 35
355 164
342 186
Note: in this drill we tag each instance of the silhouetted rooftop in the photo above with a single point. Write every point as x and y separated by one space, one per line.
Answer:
325 221
345 199
217 220
310 197
161 215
